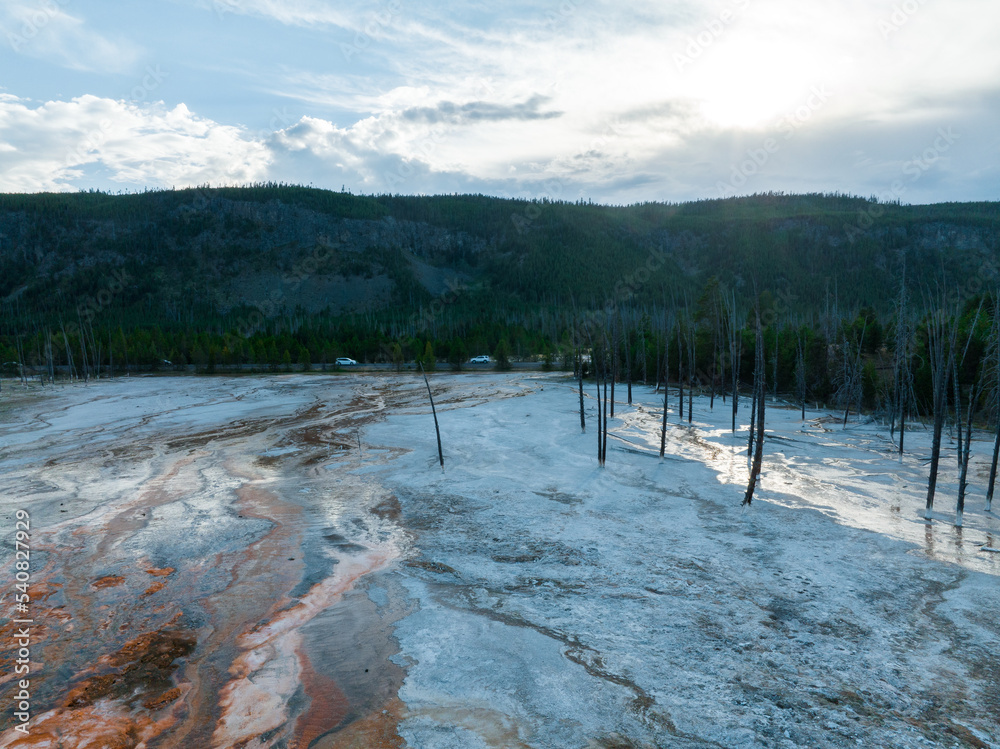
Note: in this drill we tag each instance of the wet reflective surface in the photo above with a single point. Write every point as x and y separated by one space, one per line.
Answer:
280 562
854 475
197 571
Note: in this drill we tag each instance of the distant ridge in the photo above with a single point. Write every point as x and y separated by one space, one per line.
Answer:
272 249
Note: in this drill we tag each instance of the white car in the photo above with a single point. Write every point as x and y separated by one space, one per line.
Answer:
480 360
343 360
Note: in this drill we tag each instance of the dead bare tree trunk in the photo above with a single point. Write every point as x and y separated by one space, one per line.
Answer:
666 390
800 370
964 450
663 426
19 347
614 360
680 372
716 330
993 352
759 390
128 370
69 353
437 430
658 358
774 383
83 350
993 467
96 348
604 440
711 397
964 446
735 351
692 358
48 356
628 363
940 348
851 374
957 390
600 424
583 419
902 376
642 353
667 327
902 430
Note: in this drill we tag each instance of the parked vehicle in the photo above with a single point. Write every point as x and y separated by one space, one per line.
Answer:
345 361
480 360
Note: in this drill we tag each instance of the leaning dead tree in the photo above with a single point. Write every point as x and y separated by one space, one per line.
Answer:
964 449
608 371
964 446
941 333
993 359
753 420
579 364
437 430
759 391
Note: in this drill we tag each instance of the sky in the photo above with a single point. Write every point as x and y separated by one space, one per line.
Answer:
615 102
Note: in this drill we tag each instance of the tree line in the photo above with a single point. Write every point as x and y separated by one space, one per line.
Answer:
708 343
935 358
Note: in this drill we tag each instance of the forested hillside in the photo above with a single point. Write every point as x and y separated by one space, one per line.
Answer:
201 254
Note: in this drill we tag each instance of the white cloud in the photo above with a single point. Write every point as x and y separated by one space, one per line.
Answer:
290 12
62 145
619 102
55 143
731 64
43 30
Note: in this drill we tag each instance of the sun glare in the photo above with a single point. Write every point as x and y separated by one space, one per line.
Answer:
746 86
742 108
